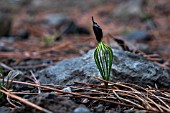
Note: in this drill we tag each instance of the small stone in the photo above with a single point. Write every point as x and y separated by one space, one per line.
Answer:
82 109
99 108
10 39
138 35
67 89
6 48
129 8
55 19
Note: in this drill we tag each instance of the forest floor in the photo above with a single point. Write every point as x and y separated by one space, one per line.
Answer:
41 45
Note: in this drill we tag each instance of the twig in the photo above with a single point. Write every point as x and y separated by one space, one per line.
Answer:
23 93
72 93
36 81
25 101
10 101
6 67
120 98
155 104
161 101
143 98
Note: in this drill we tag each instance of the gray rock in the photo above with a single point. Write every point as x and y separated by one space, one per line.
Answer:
137 35
127 67
5 48
56 19
129 8
99 108
5 24
81 109
67 71
67 89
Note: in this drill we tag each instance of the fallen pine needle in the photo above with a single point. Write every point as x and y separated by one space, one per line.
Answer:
25 101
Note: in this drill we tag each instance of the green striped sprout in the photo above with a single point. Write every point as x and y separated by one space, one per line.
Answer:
103 54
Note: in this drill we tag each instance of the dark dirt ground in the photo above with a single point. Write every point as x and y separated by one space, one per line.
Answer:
27 50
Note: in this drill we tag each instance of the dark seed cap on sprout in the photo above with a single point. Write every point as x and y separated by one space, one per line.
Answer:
97 31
